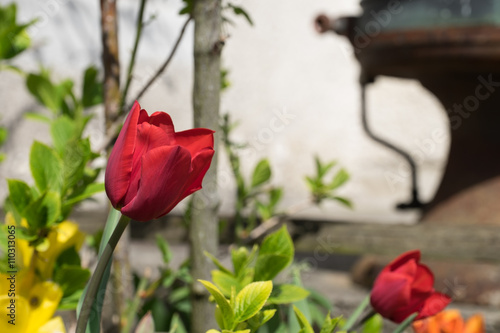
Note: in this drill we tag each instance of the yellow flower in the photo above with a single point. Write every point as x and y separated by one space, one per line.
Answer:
32 314
60 238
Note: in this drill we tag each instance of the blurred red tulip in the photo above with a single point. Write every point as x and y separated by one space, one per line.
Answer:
449 321
404 287
152 168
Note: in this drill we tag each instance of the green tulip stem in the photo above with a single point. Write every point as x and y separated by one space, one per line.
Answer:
406 323
356 314
106 252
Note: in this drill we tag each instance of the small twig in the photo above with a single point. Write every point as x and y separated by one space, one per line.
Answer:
269 224
113 128
131 65
167 61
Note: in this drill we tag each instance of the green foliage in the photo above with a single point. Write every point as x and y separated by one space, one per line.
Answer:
322 189
13 36
275 254
166 298
255 198
237 11
187 8
3 138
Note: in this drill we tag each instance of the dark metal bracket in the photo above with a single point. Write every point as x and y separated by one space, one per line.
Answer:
415 202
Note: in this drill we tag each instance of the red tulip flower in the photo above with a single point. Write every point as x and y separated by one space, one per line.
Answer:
404 287
152 168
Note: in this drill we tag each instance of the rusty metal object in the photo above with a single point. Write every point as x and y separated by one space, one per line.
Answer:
460 65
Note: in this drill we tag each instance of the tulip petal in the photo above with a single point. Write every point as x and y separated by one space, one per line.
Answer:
195 140
148 138
390 293
435 303
163 121
163 180
404 258
424 279
119 166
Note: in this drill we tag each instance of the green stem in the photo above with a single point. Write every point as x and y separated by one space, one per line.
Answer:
406 323
131 65
356 314
94 285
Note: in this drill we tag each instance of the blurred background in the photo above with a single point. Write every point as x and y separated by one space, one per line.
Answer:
294 92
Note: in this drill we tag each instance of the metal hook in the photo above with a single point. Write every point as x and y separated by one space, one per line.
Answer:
415 201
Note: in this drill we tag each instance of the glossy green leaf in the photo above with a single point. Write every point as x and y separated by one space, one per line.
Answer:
275 254
287 293
90 190
71 278
374 324
46 167
303 322
225 281
251 299
330 324
44 211
222 302
20 194
44 91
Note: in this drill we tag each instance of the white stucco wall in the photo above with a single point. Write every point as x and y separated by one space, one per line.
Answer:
295 93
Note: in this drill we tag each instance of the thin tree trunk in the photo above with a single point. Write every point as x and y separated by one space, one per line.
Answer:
110 60
120 287
203 232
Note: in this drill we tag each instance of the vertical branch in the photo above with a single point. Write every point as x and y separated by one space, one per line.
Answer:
111 61
121 287
203 232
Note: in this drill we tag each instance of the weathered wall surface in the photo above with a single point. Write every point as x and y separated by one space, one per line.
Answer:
294 92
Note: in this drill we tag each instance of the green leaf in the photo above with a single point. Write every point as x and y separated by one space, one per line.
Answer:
46 167
261 173
71 278
37 117
44 211
188 7
330 324
92 88
147 325
239 257
340 178
225 281
251 299
164 248
69 257
344 201
19 194
44 91
303 322
217 263
240 11
287 293
373 325
90 190
176 325
3 135
275 254
63 130
222 302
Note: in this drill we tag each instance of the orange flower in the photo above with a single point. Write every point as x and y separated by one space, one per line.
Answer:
449 321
